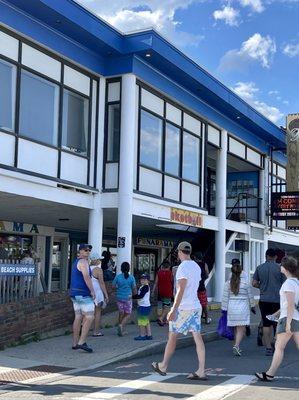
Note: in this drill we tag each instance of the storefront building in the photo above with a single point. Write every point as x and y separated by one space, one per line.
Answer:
124 142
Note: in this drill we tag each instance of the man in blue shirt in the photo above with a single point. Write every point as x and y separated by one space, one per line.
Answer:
82 295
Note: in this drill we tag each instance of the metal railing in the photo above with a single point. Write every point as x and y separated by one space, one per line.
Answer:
243 209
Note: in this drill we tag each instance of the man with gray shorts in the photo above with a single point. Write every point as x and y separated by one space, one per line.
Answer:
82 295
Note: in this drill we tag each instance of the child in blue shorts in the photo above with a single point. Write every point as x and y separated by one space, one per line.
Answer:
144 309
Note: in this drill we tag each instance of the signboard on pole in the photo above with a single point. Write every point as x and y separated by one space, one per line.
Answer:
292 126
285 206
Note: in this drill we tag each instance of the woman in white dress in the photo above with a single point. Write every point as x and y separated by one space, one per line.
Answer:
237 301
101 295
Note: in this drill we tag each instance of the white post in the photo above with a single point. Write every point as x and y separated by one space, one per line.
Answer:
95 223
220 239
126 168
95 228
263 192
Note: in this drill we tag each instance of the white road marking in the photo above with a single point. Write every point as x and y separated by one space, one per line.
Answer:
127 387
225 389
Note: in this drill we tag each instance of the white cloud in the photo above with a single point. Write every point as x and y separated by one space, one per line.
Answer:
291 50
273 92
255 5
260 48
248 91
228 14
131 15
257 48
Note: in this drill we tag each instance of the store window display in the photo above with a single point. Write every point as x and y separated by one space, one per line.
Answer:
12 247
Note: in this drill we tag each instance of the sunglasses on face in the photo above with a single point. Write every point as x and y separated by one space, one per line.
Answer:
87 250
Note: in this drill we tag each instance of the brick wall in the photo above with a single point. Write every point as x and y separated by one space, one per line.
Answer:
28 319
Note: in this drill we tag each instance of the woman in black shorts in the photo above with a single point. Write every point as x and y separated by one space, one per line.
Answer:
288 323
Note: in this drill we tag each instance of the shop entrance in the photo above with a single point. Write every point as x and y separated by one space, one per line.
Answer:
59 264
146 261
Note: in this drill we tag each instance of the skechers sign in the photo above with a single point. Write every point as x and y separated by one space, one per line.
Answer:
18 269
186 217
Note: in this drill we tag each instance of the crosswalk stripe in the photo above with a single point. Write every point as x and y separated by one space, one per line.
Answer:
222 390
126 387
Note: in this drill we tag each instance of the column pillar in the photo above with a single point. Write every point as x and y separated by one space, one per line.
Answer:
126 170
220 237
95 220
95 228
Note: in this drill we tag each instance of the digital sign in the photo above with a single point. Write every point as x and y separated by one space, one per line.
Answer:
285 206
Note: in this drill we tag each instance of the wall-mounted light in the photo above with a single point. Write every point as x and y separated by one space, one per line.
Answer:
148 54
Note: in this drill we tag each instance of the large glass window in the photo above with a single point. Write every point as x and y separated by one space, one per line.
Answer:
113 132
39 102
7 95
75 122
172 150
151 140
191 157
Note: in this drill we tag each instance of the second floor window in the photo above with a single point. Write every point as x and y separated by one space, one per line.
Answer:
151 140
75 122
7 95
191 157
39 103
172 150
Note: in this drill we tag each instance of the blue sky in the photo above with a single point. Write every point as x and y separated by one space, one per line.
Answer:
252 46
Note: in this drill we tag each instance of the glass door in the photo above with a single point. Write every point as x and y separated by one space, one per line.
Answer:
59 264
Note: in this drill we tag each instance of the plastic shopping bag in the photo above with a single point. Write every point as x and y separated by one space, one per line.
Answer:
224 330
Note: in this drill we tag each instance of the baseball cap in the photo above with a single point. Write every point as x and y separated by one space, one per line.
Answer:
145 276
96 256
84 246
186 246
235 261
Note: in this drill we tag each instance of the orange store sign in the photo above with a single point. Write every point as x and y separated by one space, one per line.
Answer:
186 217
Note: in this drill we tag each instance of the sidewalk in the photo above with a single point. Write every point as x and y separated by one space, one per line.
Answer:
57 351
49 357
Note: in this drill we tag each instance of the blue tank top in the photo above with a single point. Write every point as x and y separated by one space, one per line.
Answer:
78 285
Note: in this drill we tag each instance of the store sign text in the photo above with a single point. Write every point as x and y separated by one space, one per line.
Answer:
186 217
18 227
18 269
154 242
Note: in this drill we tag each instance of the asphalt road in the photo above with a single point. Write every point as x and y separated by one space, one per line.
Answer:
229 377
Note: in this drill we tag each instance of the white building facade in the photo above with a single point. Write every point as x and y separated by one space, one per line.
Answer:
122 141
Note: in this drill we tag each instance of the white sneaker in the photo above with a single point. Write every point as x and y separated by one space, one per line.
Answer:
237 351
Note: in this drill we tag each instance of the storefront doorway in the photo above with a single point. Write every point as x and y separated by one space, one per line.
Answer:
146 261
59 273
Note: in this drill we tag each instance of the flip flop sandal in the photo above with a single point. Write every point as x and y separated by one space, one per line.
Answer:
195 377
156 368
262 376
98 334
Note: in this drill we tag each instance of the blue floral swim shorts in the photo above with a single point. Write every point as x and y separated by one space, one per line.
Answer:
186 321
